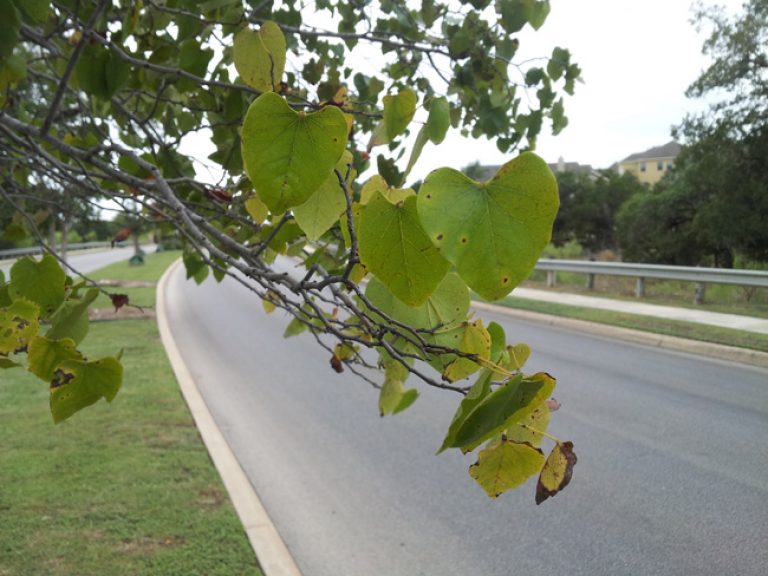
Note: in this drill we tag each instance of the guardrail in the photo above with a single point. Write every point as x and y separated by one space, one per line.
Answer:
701 276
17 252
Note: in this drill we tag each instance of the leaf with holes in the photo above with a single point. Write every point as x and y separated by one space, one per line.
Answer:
505 465
327 203
18 326
39 282
289 154
395 248
557 471
45 355
77 384
494 231
260 56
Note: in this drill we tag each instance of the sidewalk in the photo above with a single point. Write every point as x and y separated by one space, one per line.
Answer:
746 323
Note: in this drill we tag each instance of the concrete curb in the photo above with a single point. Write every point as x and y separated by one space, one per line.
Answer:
271 551
719 351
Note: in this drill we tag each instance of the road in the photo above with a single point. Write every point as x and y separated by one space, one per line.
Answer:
672 477
88 260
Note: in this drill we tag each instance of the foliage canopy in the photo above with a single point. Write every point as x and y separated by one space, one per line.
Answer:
101 99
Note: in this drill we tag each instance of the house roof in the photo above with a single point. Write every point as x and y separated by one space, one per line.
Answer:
669 150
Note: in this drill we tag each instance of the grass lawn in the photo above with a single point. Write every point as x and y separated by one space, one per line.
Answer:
119 489
677 328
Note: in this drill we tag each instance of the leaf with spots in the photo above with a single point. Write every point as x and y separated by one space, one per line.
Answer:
260 56
557 471
326 205
45 355
288 154
77 384
395 248
531 428
476 340
505 465
39 282
18 326
494 231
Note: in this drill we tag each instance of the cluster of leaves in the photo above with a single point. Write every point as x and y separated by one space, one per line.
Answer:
43 317
108 91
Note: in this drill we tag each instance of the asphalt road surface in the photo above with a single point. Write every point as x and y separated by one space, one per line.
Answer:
88 260
672 476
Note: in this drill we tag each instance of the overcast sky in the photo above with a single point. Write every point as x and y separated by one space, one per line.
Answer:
637 60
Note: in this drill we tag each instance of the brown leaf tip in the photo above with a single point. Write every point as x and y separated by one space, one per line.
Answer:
557 471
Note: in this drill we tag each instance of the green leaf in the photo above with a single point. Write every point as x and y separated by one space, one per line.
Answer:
256 209
18 325
6 363
260 56
9 31
518 356
398 111
480 389
475 340
494 231
557 471
36 11
418 146
504 466
289 154
45 355
395 248
100 73
294 328
439 120
445 308
393 397
508 404
71 319
327 203
537 12
13 70
375 184
77 384
40 282
195 266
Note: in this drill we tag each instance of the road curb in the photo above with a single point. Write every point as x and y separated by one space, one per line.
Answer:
708 349
271 552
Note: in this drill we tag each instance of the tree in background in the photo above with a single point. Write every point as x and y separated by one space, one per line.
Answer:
716 199
100 96
589 203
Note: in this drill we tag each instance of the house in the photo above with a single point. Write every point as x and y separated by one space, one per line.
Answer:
650 166
480 172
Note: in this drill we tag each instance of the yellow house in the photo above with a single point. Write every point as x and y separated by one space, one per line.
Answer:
650 166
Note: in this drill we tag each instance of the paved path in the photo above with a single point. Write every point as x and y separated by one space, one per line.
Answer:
747 323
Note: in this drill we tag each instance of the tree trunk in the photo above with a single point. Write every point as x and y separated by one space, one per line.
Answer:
64 238
52 231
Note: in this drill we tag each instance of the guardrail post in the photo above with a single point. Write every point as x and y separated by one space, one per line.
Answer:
591 281
698 294
640 288
551 278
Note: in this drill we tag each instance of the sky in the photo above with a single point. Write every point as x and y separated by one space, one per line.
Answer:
637 60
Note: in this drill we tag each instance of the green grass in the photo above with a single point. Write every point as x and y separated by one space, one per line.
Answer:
155 265
121 488
677 328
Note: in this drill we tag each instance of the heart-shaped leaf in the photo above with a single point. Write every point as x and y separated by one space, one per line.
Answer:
288 154
395 248
505 465
39 282
260 56
77 384
398 112
20 326
493 232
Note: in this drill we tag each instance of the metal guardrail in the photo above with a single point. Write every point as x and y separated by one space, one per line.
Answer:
17 252
701 276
